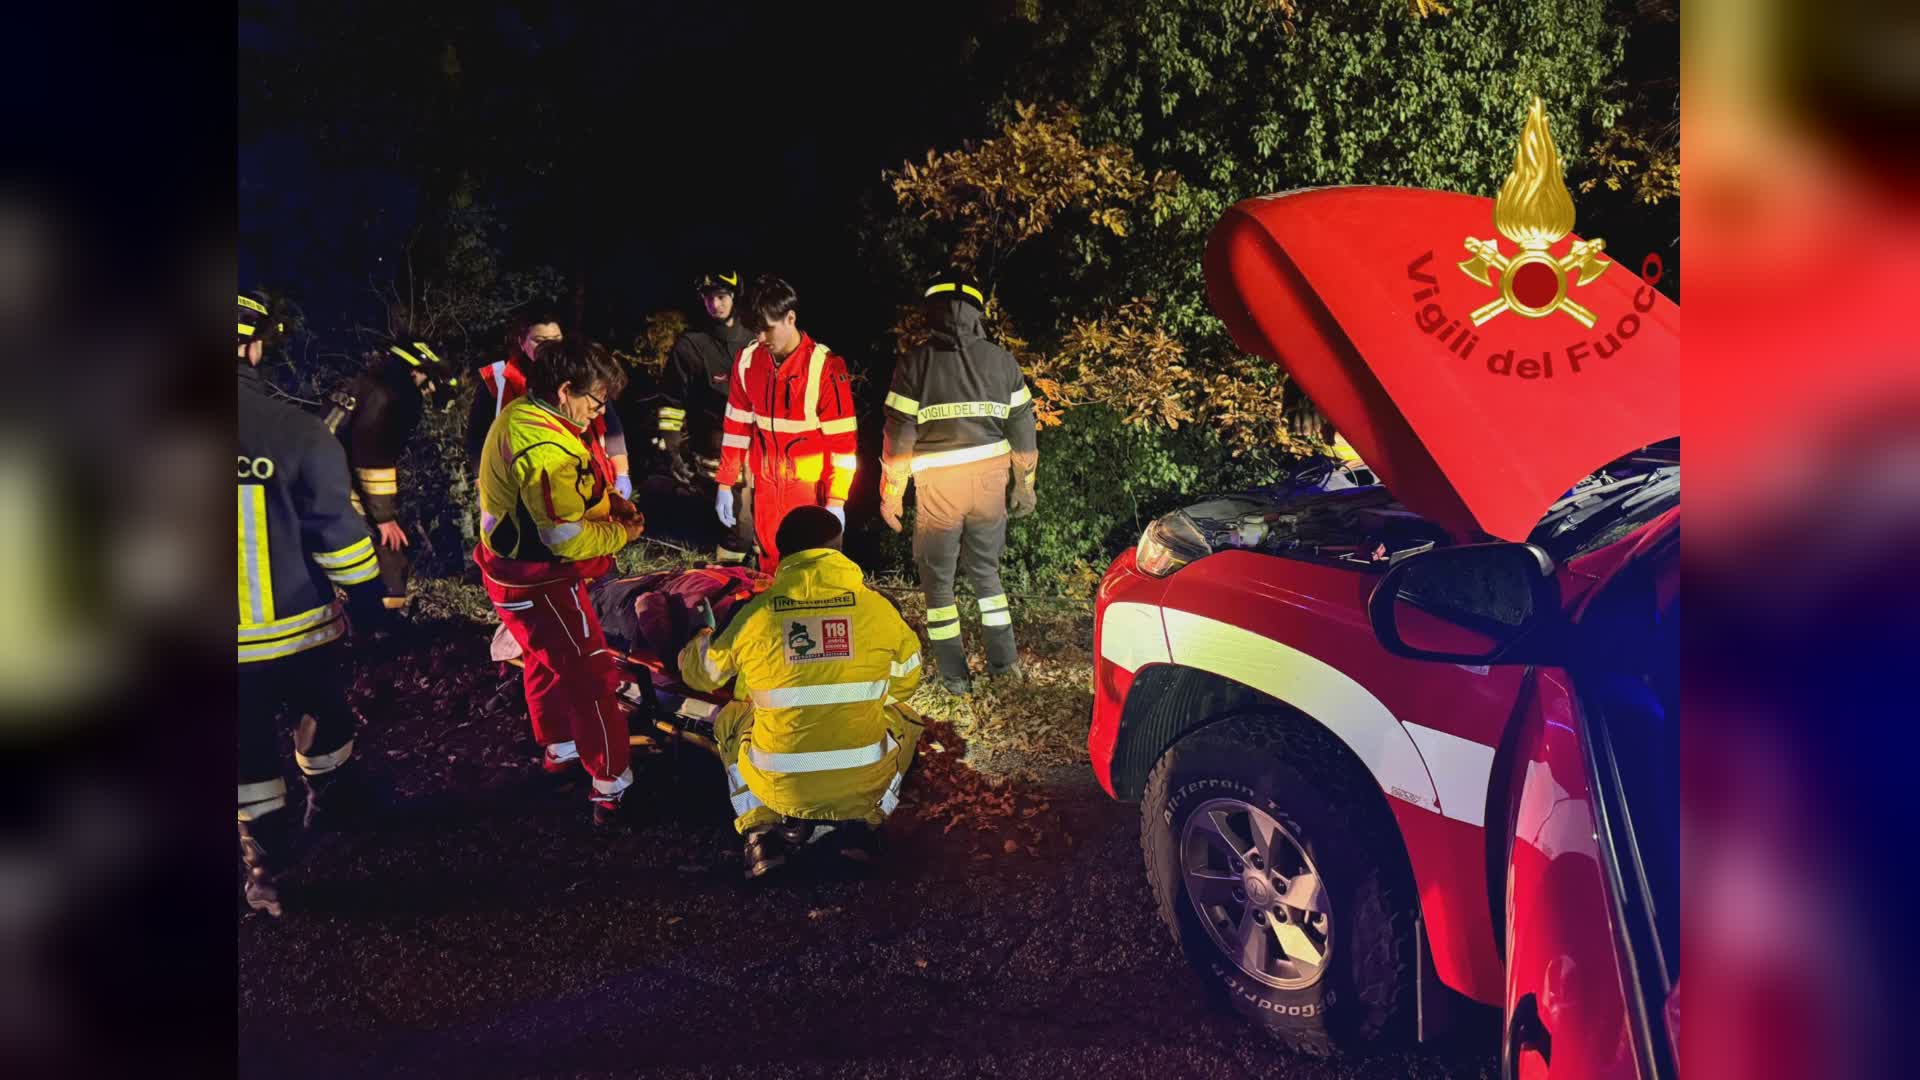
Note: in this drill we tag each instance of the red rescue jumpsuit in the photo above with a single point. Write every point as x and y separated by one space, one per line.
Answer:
544 533
791 422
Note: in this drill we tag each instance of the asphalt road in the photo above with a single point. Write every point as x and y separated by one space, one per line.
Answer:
483 929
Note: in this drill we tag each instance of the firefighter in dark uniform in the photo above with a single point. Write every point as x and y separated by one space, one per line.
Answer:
382 408
694 405
959 425
298 539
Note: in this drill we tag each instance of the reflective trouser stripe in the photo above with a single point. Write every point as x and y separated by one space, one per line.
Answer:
996 618
261 798
818 760
943 614
324 763
609 788
744 799
923 462
942 633
993 603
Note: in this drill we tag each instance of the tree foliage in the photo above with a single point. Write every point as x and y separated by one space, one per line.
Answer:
1152 118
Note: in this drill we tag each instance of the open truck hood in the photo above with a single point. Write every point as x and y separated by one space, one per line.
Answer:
1361 294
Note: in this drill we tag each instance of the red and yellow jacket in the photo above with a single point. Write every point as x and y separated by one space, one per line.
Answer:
791 421
544 510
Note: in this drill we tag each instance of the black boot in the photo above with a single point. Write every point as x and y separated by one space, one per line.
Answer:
340 799
767 849
611 811
1007 673
857 841
266 849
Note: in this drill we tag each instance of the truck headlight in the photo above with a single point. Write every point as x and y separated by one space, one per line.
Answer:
1170 543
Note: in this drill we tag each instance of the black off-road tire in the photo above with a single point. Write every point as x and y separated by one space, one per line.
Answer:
1305 779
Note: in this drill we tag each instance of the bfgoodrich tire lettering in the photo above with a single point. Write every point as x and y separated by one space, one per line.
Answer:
1300 777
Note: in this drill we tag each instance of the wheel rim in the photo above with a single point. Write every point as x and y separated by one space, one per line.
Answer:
1259 896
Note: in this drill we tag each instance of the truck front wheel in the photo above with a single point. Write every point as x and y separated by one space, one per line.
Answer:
1280 873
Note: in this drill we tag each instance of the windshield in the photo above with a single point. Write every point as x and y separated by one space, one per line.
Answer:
1603 508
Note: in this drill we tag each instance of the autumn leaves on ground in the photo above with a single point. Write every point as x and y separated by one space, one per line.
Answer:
981 771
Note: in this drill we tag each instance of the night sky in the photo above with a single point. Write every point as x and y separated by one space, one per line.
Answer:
678 136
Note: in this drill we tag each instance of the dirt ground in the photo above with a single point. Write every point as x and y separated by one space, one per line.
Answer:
482 928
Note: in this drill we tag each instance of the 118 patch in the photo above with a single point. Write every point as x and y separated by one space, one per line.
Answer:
818 638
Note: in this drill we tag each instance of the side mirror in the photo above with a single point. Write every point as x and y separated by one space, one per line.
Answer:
1478 604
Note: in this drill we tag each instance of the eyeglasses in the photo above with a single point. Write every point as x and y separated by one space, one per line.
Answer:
599 404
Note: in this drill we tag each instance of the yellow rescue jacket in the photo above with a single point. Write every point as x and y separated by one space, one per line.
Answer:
820 655
543 495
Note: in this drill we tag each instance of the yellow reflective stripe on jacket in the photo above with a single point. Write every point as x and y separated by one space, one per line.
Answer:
819 760
816 362
797 697
346 556
840 426
379 481
1020 397
279 647
256 569
289 625
907 666
350 565
902 403
923 462
957 410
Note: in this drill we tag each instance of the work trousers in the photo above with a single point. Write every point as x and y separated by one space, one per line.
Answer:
735 543
312 686
772 501
871 802
569 676
395 567
961 525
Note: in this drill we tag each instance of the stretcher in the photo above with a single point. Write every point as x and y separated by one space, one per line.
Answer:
652 693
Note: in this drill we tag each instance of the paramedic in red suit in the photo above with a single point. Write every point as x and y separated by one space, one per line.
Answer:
790 422
549 523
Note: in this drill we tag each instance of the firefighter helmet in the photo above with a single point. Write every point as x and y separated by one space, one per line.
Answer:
260 319
956 284
419 354
718 280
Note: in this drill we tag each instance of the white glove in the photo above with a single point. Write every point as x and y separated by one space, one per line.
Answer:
624 485
838 510
723 505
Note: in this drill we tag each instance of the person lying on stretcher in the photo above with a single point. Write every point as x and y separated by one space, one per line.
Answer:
816 739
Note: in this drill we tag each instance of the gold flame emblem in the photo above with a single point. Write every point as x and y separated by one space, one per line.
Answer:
1534 210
